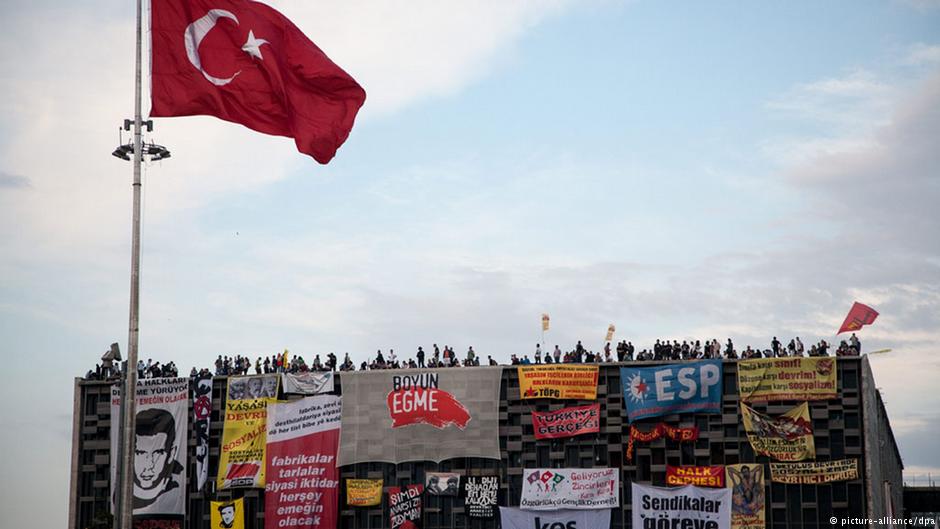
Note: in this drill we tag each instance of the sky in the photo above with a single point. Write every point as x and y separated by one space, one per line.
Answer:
683 170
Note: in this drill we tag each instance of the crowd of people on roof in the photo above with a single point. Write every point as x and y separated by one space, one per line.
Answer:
662 350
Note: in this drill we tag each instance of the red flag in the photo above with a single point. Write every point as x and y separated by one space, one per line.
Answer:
244 62
858 315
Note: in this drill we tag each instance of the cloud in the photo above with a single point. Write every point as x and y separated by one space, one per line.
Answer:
12 181
923 54
402 53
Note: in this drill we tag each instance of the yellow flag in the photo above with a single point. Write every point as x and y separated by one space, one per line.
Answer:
227 514
544 322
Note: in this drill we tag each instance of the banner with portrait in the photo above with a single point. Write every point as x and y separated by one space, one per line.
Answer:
364 492
570 488
227 514
710 476
442 483
244 436
160 441
765 379
686 506
480 496
788 437
567 422
302 484
691 387
746 482
568 381
814 472
511 518
404 506
308 383
202 412
395 416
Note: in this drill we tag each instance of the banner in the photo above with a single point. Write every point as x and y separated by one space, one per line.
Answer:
659 431
241 456
442 483
404 506
815 472
569 381
546 489
363 492
674 388
747 495
302 488
567 422
480 493
713 476
545 321
160 435
158 523
788 437
395 416
787 379
686 506
227 514
115 442
511 518
202 412
309 383
610 332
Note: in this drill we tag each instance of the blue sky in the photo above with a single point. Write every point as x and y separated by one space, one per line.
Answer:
683 170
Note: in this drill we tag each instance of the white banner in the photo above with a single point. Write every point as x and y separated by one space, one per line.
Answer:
564 519
115 439
548 489
310 383
687 506
160 430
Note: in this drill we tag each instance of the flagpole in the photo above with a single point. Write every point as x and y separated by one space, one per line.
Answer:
129 400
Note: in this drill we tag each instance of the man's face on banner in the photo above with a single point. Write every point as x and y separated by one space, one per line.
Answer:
228 515
153 455
254 387
270 386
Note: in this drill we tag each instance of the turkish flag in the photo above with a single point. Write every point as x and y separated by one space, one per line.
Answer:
858 315
244 62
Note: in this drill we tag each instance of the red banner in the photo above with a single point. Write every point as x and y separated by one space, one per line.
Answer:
301 491
713 476
660 430
567 422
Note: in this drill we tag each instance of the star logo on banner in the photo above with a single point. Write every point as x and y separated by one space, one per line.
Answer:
638 388
253 46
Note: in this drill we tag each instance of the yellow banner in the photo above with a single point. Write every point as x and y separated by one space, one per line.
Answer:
787 379
558 382
814 472
227 514
241 457
747 495
788 437
363 492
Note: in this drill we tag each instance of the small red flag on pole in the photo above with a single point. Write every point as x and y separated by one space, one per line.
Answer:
858 316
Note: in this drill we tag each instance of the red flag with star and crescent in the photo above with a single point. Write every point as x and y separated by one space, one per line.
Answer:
858 315
244 62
